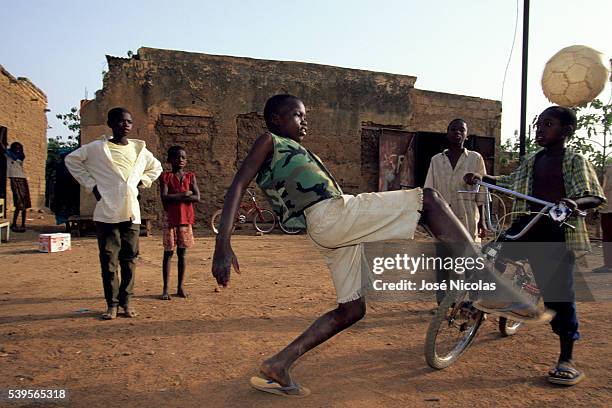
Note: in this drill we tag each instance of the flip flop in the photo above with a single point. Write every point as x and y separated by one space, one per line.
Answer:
272 387
555 376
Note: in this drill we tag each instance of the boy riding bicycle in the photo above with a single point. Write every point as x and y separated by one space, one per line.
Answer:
553 174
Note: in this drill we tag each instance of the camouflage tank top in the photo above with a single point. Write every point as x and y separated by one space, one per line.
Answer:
293 180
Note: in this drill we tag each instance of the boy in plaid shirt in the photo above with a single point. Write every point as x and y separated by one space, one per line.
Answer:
554 174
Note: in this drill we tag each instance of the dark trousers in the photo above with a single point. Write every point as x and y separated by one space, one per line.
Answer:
606 237
553 268
118 245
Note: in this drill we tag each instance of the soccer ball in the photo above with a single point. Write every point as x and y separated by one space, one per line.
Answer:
574 76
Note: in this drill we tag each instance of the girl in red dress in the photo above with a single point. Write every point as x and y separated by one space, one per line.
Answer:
179 190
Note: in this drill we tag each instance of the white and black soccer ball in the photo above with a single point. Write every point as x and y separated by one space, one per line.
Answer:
574 76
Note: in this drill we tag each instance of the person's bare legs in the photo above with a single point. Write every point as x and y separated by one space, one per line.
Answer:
166 273
445 226
331 323
180 291
438 216
15 216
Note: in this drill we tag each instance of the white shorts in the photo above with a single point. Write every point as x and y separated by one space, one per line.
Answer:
340 226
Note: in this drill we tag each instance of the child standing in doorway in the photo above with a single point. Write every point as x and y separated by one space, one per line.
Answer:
19 183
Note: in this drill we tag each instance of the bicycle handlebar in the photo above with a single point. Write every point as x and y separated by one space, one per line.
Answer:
558 212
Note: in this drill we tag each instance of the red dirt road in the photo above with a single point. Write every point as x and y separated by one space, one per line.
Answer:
201 351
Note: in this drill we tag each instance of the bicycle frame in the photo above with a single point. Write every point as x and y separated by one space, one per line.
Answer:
549 207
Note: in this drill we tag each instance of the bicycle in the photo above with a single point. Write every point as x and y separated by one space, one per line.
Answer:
287 229
456 314
263 219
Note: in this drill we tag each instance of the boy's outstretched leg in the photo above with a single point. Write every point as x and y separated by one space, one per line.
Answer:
331 323
180 291
166 274
504 300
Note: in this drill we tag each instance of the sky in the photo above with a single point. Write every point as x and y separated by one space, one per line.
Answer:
460 47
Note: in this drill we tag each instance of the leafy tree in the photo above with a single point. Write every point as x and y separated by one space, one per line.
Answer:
594 122
72 121
56 146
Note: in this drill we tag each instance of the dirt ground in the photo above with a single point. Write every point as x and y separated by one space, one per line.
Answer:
201 351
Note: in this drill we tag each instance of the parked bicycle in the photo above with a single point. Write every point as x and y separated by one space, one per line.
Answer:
263 219
456 322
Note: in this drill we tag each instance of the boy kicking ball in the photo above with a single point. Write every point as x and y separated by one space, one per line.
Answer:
300 188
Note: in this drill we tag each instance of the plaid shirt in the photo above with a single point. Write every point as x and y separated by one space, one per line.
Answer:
580 181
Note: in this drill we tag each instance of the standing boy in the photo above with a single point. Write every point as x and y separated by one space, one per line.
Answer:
554 174
445 175
113 169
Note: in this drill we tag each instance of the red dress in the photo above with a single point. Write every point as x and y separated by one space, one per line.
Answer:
178 212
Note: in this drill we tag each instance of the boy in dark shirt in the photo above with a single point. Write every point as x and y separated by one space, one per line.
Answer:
554 174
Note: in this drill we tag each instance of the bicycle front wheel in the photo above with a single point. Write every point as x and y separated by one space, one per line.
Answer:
215 220
452 330
264 221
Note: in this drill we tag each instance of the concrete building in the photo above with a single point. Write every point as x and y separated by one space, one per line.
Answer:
22 115
213 105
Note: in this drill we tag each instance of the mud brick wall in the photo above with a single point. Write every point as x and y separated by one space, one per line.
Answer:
194 133
432 111
22 112
214 105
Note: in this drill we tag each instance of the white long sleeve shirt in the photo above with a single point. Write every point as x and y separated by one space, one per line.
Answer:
92 165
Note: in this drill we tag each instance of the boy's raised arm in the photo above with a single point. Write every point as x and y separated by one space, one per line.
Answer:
224 256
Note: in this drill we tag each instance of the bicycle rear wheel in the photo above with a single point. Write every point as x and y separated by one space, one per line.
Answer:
288 230
452 330
264 221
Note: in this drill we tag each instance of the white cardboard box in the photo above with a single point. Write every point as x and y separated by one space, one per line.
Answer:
53 242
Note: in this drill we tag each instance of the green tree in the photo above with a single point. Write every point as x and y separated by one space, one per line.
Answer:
58 145
72 120
592 137
594 122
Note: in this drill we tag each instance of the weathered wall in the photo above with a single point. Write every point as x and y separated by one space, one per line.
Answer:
213 105
22 111
432 111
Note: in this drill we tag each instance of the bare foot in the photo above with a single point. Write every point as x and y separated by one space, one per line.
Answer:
111 313
275 371
129 311
165 296
180 292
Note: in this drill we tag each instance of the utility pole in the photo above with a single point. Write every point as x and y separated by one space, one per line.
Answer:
522 135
